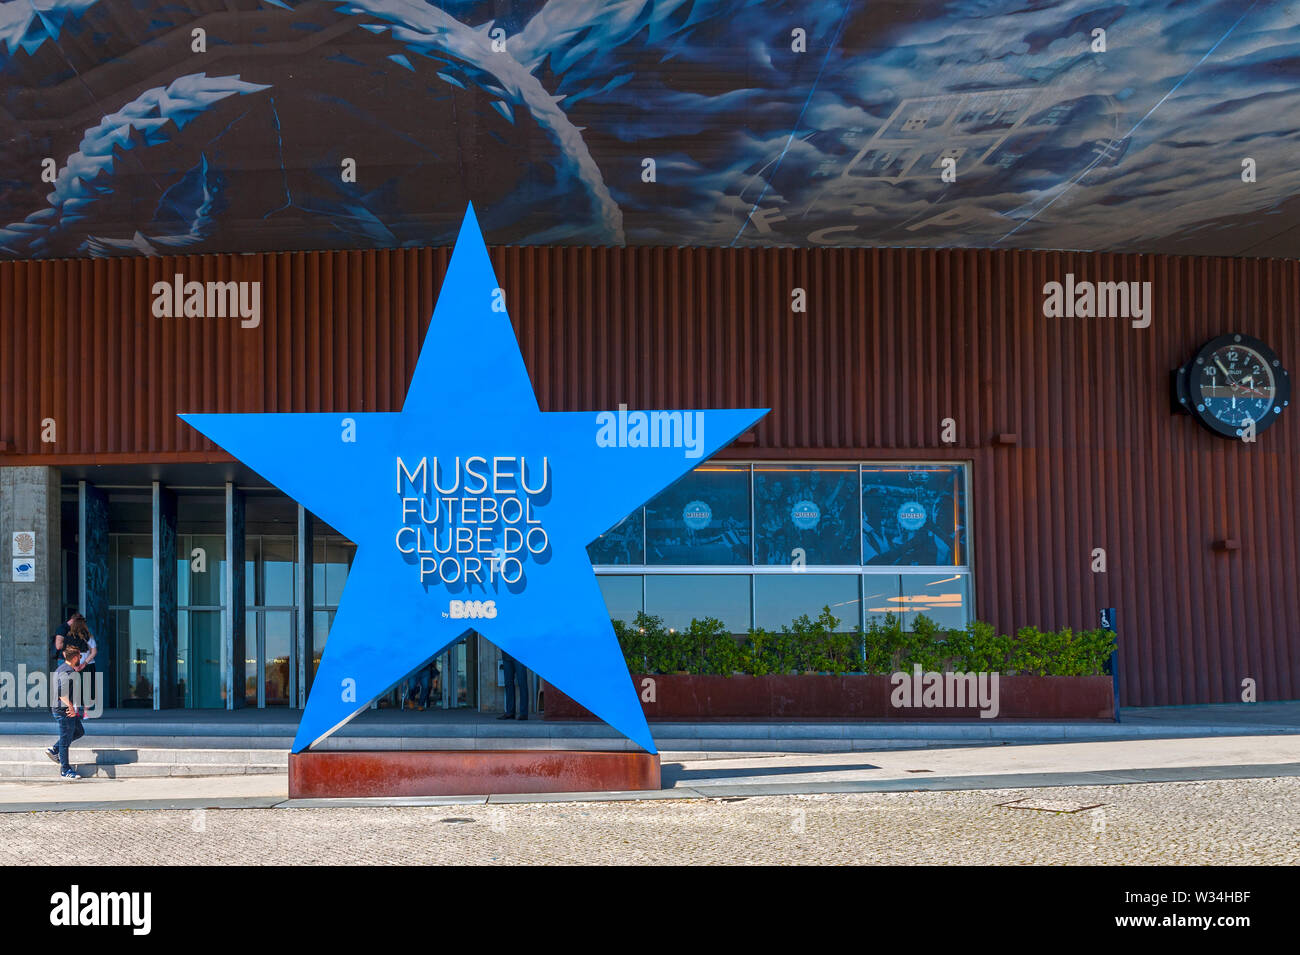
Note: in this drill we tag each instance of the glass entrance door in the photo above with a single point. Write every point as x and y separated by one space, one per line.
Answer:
199 666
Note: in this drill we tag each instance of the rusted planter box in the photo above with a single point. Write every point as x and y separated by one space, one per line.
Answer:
482 772
860 697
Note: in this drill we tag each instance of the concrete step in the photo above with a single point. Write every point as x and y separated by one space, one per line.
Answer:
22 758
42 768
110 755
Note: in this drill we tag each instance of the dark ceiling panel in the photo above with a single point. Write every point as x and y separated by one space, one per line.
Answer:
769 123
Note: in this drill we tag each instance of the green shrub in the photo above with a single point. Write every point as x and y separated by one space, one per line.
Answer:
815 645
882 644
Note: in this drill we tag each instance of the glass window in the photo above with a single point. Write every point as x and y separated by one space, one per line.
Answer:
133 576
250 657
702 519
198 663
200 570
881 596
278 571
944 598
806 512
679 597
331 558
278 626
780 598
322 620
252 557
622 593
135 648
624 543
914 515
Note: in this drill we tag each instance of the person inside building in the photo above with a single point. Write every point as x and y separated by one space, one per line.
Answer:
516 679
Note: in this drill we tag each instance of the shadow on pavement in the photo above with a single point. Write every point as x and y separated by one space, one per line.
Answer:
673 773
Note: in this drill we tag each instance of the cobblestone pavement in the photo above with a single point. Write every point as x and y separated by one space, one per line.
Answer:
1236 821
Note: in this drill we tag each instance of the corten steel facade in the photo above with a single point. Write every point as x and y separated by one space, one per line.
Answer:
892 343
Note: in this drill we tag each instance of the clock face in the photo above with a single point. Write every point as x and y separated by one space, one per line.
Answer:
1234 381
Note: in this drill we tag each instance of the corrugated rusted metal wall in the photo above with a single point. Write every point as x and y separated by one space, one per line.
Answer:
892 342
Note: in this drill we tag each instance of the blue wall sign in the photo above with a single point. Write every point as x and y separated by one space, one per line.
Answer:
697 515
805 515
911 516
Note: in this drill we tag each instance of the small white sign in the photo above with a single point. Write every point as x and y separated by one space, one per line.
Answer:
25 570
24 543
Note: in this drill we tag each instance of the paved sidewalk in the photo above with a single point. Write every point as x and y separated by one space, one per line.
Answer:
1221 822
692 775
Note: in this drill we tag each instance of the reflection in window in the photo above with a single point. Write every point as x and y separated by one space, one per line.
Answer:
134 664
880 597
944 598
331 559
679 597
200 570
130 589
914 515
808 511
780 598
277 637
622 593
132 563
624 543
702 519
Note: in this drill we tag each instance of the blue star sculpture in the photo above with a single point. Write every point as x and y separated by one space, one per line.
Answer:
471 508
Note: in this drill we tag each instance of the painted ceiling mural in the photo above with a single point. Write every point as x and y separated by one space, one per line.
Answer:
136 127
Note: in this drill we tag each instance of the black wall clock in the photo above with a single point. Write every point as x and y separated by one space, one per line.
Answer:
1233 380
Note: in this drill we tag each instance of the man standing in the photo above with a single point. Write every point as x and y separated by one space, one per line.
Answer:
66 712
516 676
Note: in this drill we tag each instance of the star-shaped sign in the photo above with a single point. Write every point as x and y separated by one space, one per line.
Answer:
471 508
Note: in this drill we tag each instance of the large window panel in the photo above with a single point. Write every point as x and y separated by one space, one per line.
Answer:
679 597
702 519
944 598
204 585
622 593
132 583
780 598
881 596
135 657
624 543
914 515
805 513
278 571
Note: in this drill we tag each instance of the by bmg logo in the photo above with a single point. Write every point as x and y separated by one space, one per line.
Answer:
472 609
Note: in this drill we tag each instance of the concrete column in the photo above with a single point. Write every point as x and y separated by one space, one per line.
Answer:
300 675
165 693
234 641
92 577
30 609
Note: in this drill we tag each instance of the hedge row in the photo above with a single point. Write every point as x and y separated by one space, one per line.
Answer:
815 645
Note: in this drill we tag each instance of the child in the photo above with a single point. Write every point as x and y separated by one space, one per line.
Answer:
66 712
